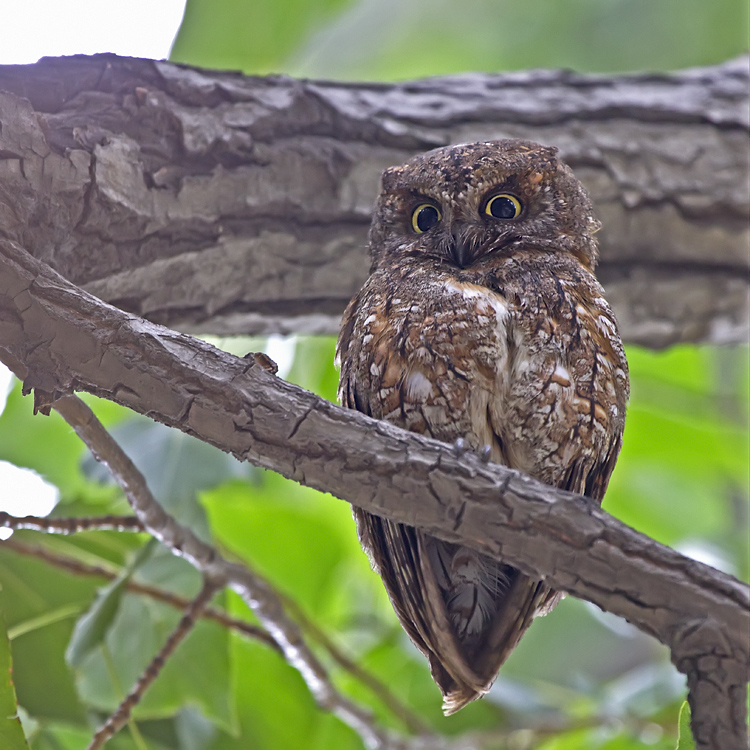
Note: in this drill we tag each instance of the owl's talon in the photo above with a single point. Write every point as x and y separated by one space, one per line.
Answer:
485 453
460 447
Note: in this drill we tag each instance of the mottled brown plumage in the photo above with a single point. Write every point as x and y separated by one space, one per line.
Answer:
482 321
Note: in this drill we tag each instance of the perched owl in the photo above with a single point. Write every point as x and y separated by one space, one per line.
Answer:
482 324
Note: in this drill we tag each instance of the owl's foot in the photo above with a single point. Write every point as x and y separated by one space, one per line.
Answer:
460 446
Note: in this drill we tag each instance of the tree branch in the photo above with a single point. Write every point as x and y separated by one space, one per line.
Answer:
257 592
76 567
223 203
58 338
121 716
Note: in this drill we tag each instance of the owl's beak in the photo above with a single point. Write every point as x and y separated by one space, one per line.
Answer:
460 249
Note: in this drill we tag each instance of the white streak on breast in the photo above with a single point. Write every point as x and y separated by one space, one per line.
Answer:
485 298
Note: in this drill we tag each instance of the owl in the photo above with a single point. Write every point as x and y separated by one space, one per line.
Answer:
482 325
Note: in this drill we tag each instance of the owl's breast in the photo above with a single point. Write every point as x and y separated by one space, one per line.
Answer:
425 352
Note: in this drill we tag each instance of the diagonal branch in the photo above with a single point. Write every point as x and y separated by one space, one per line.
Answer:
121 716
57 338
256 591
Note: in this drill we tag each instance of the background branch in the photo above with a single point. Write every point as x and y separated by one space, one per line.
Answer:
76 567
71 525
217 573
215 202
58 338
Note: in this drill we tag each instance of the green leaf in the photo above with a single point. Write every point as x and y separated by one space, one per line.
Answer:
685 739
198 673
91 629
11 731
32 590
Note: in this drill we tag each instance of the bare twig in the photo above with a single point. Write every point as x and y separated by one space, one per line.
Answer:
71 525
257 592
76 567
122 715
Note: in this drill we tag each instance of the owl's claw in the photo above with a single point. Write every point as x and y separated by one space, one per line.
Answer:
460 447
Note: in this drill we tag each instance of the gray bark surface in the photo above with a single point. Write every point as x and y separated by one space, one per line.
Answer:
216 202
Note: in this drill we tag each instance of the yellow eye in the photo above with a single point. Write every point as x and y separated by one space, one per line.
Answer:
425 217
503 206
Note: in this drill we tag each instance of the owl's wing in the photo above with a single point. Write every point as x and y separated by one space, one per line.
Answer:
398 553
410 562
404 557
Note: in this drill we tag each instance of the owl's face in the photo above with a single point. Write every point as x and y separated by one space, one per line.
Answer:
463 204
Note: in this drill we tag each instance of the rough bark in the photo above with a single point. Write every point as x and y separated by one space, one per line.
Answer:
215 202
58 338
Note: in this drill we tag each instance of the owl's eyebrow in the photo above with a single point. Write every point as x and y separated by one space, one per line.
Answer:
422 192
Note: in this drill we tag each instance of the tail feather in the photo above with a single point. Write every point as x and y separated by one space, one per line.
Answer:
464 611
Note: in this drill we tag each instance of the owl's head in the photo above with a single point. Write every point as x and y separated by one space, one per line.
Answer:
461 204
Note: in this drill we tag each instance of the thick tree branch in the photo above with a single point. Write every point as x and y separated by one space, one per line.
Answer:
230 204
58 338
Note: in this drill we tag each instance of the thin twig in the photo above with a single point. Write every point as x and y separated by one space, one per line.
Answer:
122 714
71 525
403 712
72 565
255 590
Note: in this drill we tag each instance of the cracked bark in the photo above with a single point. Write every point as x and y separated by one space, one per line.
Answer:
58 338
214 202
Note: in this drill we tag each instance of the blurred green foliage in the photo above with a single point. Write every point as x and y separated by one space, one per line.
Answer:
401 39
586 679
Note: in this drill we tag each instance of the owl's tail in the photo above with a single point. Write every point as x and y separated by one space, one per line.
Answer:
455 701
523 600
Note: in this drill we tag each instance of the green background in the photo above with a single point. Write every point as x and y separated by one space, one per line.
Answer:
584 679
